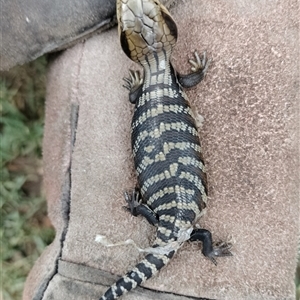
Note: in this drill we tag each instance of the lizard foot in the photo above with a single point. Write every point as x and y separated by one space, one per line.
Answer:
199 64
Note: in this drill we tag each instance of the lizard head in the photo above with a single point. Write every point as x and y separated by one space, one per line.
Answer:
145 26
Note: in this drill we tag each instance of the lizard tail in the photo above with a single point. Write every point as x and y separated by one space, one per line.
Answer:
147 268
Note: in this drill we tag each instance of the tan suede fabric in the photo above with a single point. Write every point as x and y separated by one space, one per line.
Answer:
250 137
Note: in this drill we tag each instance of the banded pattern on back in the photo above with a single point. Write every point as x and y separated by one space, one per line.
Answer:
166 148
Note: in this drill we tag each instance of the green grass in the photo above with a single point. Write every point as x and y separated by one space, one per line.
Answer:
25 229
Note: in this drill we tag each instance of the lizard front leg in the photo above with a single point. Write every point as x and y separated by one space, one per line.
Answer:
199 68
134 85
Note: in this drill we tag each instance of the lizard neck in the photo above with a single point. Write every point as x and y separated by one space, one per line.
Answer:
157 69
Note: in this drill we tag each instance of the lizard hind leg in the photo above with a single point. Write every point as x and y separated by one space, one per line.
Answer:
137 207
210 249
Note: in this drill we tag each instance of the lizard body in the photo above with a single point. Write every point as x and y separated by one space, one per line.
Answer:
166 148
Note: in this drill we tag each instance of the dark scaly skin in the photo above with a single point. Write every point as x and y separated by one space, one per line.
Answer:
171 191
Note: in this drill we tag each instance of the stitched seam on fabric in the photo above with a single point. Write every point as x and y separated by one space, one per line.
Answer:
67 186
141 288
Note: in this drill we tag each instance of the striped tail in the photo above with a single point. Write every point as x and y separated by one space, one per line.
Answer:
147 268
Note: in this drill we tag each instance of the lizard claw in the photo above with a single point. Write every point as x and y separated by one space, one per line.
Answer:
199 64
134 81
220 249
134 200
